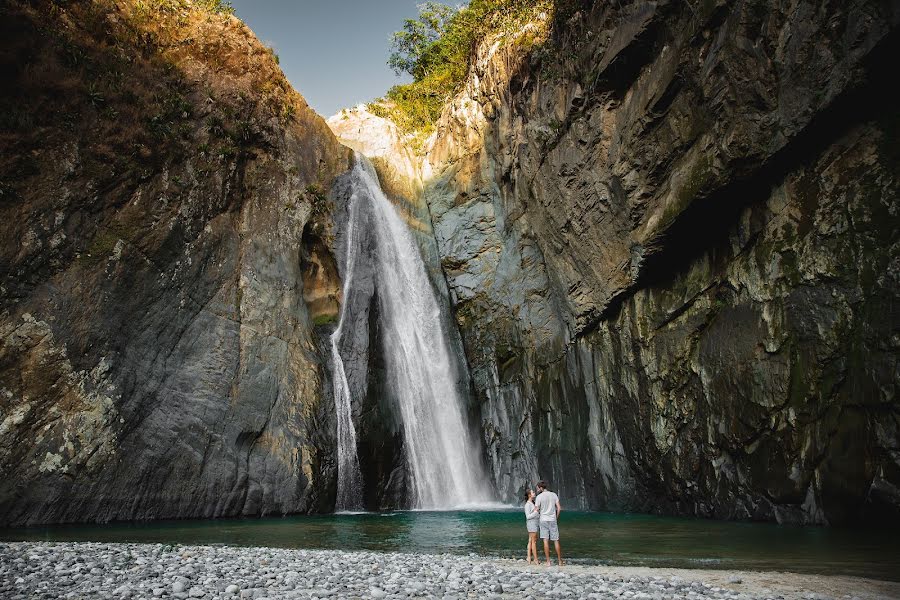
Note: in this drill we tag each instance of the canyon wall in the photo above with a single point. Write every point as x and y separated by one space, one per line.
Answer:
669 233
665 233
165 224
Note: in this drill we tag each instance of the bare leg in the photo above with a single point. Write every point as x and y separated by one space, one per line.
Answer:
528 549
558 554
547 550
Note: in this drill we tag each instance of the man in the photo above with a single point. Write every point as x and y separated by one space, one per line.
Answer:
547 503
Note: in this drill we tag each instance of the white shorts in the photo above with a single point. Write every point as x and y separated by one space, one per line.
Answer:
549 530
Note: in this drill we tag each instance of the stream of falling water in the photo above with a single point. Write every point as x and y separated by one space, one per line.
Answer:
445 471
349 487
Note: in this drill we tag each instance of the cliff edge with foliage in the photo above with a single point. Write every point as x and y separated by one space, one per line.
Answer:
669 237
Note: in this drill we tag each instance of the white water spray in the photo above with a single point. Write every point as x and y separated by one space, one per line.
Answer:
444 467
349 487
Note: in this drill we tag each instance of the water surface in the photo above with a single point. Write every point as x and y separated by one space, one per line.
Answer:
587 537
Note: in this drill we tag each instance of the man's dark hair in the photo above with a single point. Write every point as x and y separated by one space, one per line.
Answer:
542 484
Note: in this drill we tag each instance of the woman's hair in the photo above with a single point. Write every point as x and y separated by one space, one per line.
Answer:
527 493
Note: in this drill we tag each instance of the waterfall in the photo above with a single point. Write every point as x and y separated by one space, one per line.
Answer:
349 485
444 468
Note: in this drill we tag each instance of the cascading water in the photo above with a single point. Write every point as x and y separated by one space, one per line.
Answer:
444 468
349 488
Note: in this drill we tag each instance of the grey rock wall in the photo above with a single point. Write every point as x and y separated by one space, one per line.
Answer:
668 234
157 357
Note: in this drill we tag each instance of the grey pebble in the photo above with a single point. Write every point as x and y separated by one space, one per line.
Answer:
65 570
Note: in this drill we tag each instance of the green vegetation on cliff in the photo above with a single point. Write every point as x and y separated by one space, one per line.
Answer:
171 6
437 50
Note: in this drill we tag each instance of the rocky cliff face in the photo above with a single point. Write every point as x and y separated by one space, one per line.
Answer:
680 296
668 235
165 256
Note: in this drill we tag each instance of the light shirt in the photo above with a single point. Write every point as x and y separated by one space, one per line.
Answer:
546 504
530 512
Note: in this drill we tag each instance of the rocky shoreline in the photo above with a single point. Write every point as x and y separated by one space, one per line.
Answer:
116 570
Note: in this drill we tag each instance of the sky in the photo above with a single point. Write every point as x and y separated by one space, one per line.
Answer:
334 52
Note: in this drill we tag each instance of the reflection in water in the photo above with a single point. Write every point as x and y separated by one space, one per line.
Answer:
587 537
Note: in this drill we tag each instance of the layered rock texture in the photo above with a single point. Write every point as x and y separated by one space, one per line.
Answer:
684 275
165 257
669 234
666 233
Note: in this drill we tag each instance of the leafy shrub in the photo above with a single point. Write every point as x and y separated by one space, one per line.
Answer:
216 6
275 56
317 197
287 113
437 48
324 319
171 6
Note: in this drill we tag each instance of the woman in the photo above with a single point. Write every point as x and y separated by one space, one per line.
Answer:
531 523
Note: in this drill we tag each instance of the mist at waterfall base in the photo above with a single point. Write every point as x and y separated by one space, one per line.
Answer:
442 456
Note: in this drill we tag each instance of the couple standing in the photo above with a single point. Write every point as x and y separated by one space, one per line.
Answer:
542 513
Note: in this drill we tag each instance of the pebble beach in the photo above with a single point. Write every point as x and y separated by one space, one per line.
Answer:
118 570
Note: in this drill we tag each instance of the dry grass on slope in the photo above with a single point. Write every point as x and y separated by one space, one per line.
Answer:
102 96
138 76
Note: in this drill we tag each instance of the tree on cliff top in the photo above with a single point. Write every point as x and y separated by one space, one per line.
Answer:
437 48
412 44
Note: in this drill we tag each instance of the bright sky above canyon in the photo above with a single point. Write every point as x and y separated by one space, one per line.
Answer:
334 52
